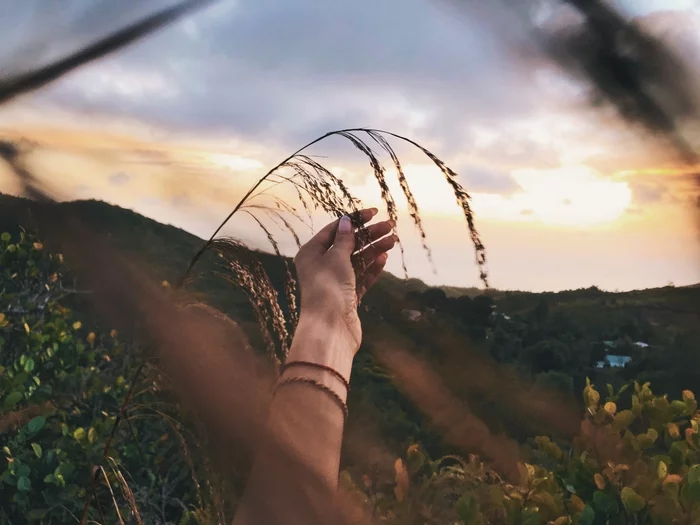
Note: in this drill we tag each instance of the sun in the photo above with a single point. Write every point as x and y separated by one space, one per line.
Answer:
570 196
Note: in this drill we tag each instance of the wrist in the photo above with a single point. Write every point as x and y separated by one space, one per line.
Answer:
322 341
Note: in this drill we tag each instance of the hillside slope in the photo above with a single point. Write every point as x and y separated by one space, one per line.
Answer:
553 340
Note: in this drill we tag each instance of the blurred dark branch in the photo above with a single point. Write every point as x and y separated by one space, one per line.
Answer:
640 75
13 86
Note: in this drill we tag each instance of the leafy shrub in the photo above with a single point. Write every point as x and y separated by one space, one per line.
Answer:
638 465
76 438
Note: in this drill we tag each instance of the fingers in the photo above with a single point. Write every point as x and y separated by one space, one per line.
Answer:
371 275
364 259
372 233
323 240
344 242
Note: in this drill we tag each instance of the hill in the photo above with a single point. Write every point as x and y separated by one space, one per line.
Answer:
552 339
454 370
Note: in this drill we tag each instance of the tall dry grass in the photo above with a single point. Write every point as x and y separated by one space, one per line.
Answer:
204 355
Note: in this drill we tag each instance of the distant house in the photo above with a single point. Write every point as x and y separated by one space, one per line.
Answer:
614 361
412 315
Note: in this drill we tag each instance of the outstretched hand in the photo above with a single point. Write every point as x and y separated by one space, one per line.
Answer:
337 267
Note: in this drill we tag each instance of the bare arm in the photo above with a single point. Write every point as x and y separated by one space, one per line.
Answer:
297 473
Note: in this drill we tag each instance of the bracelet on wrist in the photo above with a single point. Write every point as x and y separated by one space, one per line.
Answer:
317 384
318 366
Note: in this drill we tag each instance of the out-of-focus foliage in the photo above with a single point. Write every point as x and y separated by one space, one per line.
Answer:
552 341
635 465
73 423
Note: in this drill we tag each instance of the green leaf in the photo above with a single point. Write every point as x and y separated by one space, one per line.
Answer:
632 501
468 510
415 459
623 419
8 478
611 391
23 484
23 470
91 435
29 365
529 516
37 449
692 492
678 452
79 433
662 470
37 514
66 469
604 502
36 424
5 237
587 516
678 406
694 475
12 399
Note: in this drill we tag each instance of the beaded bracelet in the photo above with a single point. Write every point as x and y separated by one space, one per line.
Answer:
318 366
320 386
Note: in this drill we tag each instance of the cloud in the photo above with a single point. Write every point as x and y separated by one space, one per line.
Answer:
280 74
649 193
286 72
479 179
119 179
664 187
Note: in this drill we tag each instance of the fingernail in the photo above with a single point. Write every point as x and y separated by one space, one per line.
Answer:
383 256
345 225
392 223
374 211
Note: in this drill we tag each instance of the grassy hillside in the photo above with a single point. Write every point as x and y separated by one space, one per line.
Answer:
545 337
166 250
487 364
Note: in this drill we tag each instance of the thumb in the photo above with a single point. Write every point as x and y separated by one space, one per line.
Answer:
344 242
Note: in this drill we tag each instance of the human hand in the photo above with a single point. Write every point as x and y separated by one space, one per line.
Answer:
336 268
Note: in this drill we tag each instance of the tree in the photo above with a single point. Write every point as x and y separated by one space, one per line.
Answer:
556 381
482 308
546 355
435 298
541 312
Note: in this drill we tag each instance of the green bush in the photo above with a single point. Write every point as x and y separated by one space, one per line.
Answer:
73 440
70 440
634 466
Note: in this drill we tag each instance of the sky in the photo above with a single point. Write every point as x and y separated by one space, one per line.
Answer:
180 125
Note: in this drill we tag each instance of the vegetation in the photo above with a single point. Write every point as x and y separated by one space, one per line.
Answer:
64 391
89 424
89 430
638 465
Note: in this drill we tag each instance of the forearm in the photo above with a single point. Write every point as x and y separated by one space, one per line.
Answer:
306 423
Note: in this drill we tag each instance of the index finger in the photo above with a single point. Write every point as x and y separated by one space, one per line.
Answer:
323 240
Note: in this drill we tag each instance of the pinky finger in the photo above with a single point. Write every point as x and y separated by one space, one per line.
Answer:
371 274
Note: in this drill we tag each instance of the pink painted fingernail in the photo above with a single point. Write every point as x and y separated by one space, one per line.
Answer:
345 225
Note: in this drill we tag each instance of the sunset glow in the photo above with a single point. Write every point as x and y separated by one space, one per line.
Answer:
574 196
565 194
